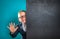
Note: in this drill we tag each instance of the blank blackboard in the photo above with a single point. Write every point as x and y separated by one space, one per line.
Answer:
43 19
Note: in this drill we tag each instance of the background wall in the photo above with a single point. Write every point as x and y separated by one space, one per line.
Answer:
43 19
8 13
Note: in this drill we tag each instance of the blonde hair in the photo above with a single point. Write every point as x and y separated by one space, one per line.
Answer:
20 11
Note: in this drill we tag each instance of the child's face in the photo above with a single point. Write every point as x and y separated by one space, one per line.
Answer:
22 17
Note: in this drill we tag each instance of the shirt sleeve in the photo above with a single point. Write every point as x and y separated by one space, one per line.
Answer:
14 34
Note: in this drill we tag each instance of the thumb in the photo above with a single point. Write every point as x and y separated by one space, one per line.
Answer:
16 28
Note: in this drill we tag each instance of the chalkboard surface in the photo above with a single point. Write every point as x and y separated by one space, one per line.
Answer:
43 19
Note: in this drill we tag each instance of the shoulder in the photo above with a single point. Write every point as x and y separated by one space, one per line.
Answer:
19 25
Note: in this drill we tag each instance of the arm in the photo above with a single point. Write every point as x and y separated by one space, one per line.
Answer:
23 33
13 30
14 34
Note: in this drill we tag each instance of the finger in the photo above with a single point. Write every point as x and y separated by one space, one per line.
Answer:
11 23
8 27
14 24
16 28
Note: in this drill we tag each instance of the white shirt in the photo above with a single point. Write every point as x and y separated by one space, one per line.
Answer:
24 27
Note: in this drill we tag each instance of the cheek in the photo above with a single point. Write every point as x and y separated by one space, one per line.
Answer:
20 20
24 19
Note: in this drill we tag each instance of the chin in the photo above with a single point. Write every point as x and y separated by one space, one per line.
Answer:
24 22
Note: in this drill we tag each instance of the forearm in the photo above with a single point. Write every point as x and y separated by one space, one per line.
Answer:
14 34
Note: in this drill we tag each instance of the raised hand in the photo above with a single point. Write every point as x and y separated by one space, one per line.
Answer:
12 28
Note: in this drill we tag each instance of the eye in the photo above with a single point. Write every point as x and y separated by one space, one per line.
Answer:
22 16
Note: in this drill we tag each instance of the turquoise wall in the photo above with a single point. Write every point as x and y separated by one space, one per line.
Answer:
8 12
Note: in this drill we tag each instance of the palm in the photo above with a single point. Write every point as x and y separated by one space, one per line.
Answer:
12 28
